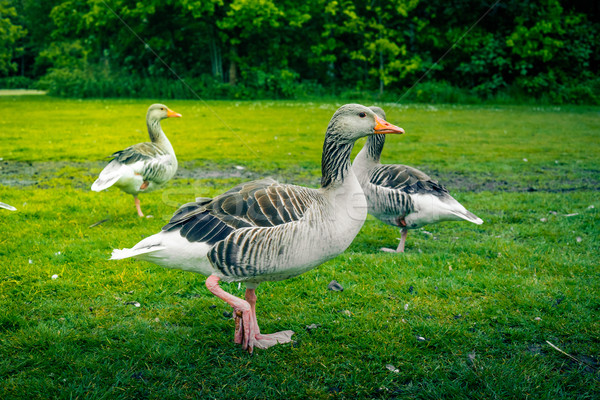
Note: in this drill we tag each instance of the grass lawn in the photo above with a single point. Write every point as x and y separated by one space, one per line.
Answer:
467 312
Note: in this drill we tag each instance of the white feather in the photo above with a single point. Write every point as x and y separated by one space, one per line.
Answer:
429 209
170 250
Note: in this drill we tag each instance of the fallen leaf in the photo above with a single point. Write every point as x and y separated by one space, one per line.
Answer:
335 286
312 327
471 356
392 368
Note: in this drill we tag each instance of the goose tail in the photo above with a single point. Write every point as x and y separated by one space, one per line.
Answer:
101 184
467 216
119 254
108 177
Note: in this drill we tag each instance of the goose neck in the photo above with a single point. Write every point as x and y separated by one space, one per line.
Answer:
156 133
373 147
335 163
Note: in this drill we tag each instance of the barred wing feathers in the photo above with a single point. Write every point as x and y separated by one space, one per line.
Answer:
408 179
262 203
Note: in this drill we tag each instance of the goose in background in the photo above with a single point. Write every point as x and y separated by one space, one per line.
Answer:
266 231
7 206
143 167
403 196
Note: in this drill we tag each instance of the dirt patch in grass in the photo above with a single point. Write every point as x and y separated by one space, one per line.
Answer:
556 180
81 174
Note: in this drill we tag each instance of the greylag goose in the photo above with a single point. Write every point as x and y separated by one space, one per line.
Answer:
266 231
7 206
143 167
403 196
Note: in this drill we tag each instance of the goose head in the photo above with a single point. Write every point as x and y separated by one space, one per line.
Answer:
379 111
353 121
374 145
157 112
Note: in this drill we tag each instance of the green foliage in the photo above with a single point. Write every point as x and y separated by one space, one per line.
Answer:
16 82
465 313
10 33
546 50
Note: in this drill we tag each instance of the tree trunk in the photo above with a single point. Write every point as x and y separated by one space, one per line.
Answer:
215 59
233 66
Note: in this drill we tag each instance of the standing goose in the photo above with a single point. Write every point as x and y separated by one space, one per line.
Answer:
266 231
403 196
143 167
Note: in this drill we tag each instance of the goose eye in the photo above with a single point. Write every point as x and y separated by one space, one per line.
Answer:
362 114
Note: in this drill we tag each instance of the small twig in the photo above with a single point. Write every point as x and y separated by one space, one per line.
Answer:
568 355
99 222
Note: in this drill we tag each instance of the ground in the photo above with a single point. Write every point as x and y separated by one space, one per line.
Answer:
467 312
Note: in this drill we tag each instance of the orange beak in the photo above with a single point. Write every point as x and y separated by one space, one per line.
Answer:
171 113
383 127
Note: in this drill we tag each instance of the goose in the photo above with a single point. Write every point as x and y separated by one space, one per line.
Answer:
143 167
7 206
403 196
267 231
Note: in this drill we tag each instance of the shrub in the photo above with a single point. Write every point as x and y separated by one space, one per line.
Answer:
16 82
439 92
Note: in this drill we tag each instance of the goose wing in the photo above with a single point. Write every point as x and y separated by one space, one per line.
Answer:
406 179
146 159
262 203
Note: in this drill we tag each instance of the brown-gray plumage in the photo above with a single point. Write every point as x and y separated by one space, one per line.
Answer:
403 196
143 167
266 231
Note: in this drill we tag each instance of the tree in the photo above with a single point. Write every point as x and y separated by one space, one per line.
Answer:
10 33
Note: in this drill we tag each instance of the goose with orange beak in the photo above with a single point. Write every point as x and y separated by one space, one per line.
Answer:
404 196
266 231
143 167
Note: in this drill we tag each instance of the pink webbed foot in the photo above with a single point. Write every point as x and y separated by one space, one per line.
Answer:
271 339
247 332
388 250
400 248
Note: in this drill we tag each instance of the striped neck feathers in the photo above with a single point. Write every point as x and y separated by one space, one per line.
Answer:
374 147
155 131
335 162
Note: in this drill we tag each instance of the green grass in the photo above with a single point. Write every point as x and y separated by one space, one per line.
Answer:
485 298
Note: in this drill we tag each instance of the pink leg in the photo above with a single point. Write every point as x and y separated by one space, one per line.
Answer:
247 331
137 206
403 235
263 341
400 249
